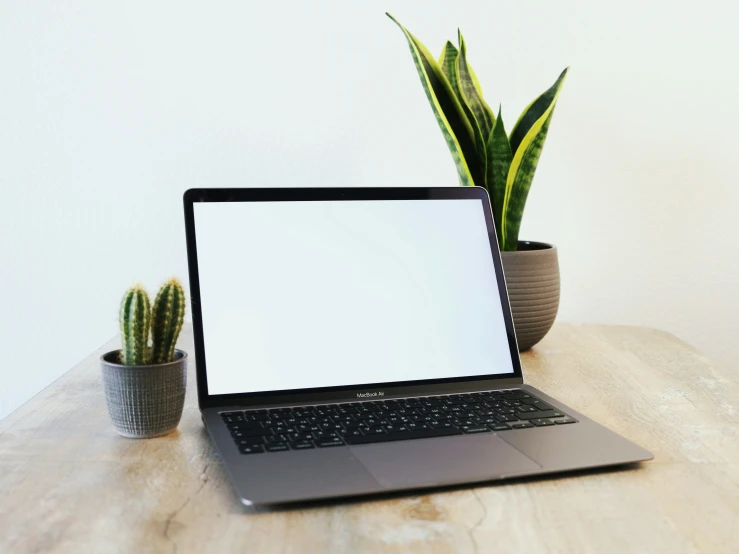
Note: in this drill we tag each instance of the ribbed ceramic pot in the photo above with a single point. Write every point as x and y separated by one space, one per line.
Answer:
144 401
532 278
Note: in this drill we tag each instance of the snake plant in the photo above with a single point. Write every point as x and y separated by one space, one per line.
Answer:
485 155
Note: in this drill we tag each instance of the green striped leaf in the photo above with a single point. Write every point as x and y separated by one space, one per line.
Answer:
479 92
448 64
520 176
470 93
525 159
447 109
535 111
473 105
499 162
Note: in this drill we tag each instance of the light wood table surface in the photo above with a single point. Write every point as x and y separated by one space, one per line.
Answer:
69 483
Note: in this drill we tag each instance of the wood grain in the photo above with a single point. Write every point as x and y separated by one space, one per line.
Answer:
69 484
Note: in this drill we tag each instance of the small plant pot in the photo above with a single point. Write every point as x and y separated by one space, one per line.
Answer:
532 278
144 401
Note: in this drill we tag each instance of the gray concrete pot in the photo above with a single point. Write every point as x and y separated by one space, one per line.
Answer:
532 278
144 401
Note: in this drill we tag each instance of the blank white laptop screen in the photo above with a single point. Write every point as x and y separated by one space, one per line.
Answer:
298 295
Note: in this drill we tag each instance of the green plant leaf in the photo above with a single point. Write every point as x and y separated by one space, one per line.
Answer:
499 162
479 92
447 109
474 108
448 64
526 155
520 176
534 111
470 92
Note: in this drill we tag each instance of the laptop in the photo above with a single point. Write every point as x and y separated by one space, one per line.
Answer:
356 341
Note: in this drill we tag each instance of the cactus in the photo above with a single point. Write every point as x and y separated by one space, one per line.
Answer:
135 320
166 321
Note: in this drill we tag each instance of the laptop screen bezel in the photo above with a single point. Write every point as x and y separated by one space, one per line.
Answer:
339 393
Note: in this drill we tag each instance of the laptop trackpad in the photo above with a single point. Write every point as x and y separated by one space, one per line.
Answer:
444 460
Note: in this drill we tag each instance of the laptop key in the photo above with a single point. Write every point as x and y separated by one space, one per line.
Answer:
309 428
286 430
537 403
335 441
244 443
256 417
500 427
253 449
542 422
391 428
540 414
522 425
325 434
330 426
276 447
470 429
416 426
241 425
251 433
514 395
440 425
351 433
564 421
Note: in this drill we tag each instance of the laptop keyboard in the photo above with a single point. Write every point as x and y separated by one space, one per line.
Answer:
353 423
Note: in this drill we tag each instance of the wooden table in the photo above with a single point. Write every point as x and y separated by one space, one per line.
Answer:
69 483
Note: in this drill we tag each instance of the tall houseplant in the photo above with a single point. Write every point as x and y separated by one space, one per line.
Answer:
145 381
504 164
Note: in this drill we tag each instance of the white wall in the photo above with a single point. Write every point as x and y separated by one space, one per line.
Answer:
108 112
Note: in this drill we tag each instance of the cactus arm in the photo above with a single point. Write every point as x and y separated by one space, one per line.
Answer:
135 321
167 317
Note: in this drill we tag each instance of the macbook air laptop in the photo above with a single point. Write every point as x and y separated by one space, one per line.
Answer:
357 341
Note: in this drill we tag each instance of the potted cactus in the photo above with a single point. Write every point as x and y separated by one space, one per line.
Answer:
504 164
145 381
